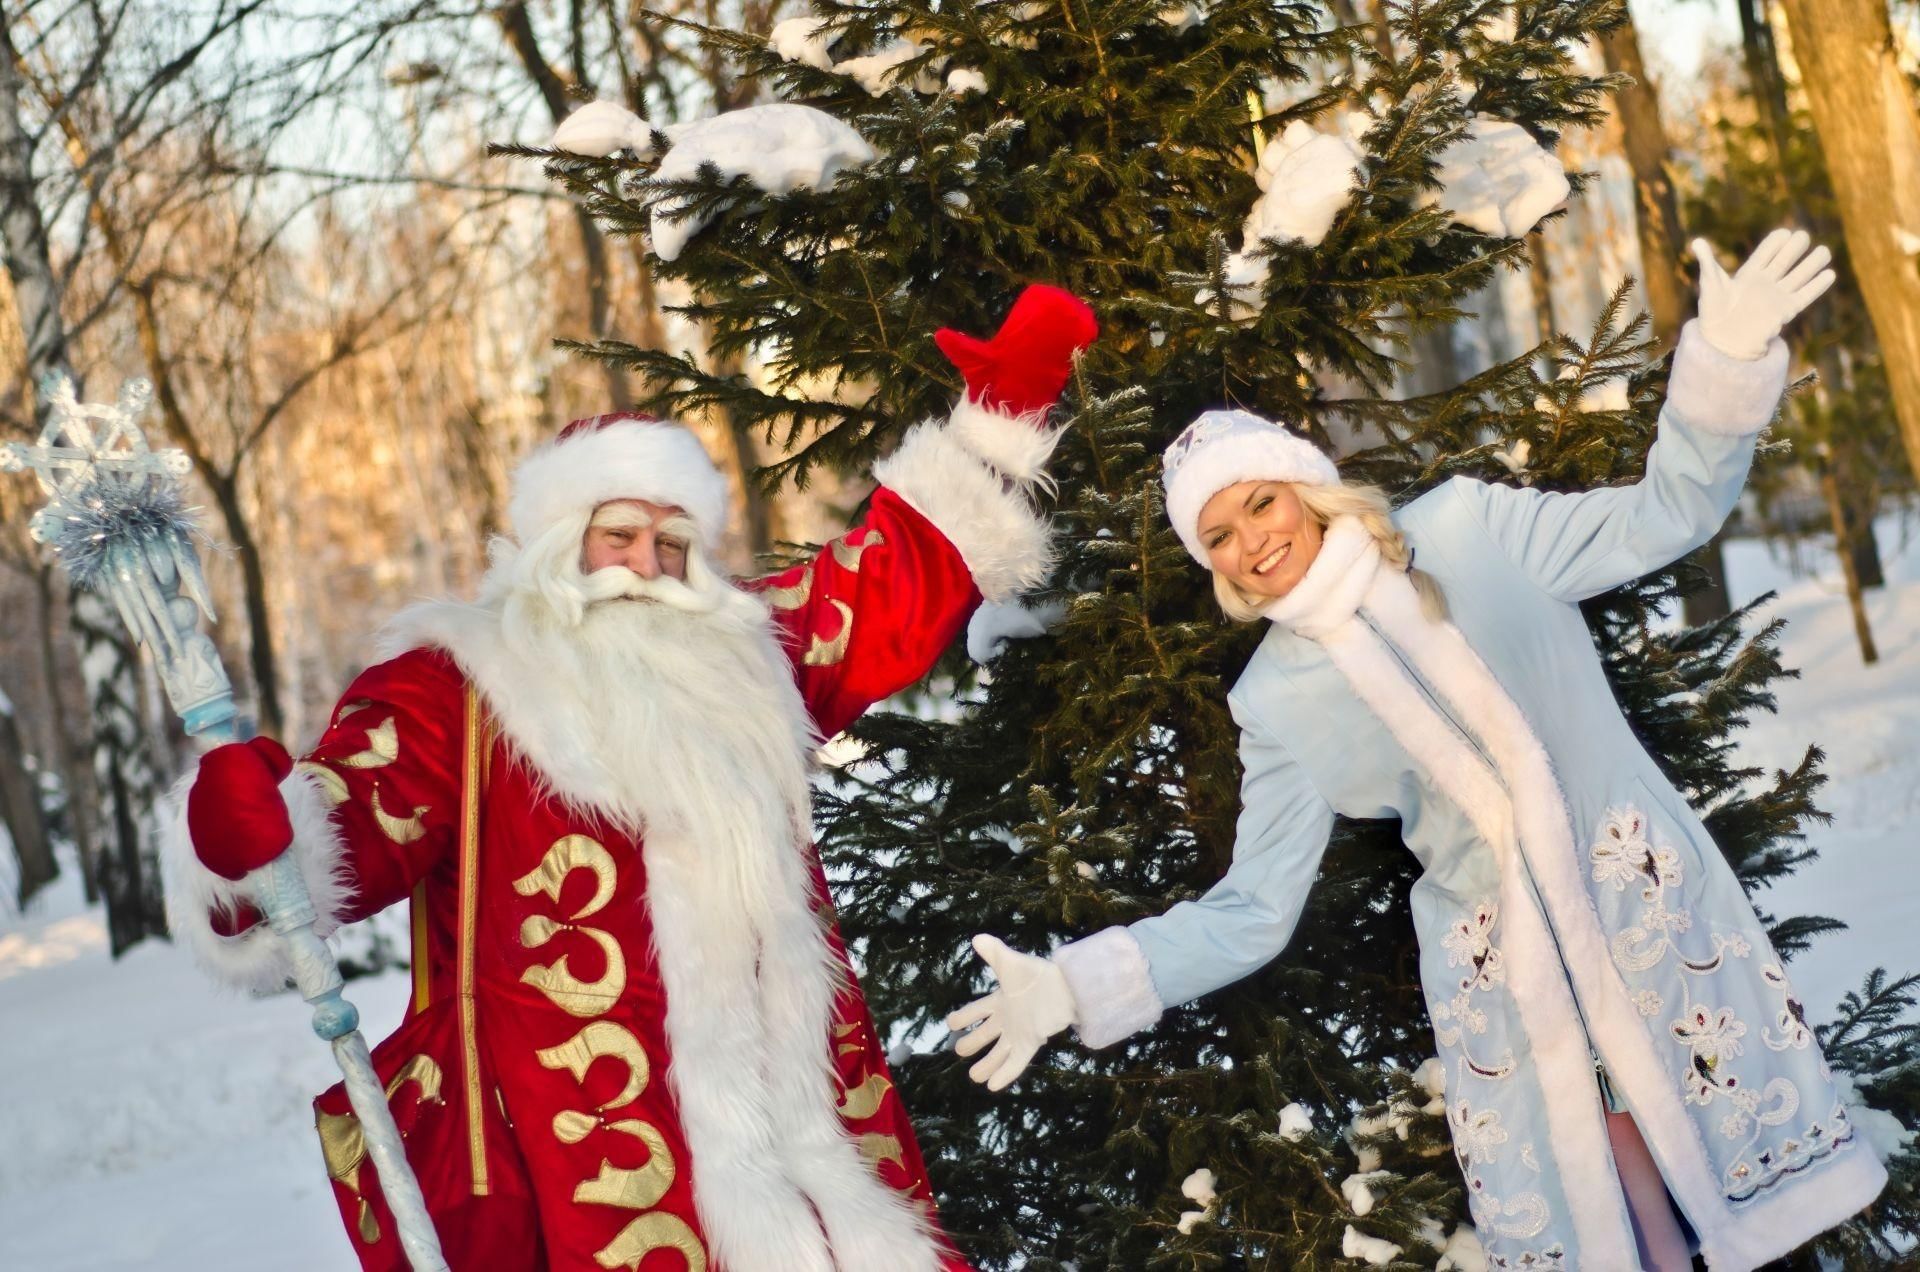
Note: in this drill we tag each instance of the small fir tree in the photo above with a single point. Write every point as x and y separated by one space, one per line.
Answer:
1092 778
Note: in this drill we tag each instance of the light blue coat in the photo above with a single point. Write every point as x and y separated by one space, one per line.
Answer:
1700 1033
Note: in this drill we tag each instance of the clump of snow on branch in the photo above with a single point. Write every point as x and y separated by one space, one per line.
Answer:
803 40
600 128
779 148
1295 1123
1358 1190
1199 1189
1462 1252
997 622
1372 1250
1498 180
1878 1127
962 80
879 71
1182 17
1305 177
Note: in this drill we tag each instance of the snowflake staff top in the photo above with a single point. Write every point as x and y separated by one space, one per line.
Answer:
117 519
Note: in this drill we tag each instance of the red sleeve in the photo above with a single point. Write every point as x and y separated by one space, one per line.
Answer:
872 612
389 766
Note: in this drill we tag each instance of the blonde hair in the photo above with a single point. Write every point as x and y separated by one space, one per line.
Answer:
1370 506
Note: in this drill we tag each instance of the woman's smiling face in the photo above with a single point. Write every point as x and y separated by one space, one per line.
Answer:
1258 537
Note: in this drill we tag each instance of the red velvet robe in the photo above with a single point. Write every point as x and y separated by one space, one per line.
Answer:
533 1102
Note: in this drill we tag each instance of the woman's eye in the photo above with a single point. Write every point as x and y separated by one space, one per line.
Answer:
1261 505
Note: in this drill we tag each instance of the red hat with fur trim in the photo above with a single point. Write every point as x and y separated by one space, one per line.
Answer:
621 456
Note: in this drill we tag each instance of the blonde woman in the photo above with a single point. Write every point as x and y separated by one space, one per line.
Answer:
1574 916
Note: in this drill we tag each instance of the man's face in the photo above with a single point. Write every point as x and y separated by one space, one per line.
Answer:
636 534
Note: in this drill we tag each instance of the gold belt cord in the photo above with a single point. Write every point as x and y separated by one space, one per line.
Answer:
469 904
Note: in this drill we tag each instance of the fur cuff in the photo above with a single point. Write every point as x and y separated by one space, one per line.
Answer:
254 959
1017 445
1113 993
1718 393
999 535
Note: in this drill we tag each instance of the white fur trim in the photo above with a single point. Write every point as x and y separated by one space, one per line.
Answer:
1716 392
659 462
255 959
996 530
1782 1224
1523 805
1113 991
1017 445
750 979
1222 448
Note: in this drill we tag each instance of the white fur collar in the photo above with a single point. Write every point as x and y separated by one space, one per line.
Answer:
1334 584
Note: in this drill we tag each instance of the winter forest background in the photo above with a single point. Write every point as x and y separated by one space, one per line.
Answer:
295 220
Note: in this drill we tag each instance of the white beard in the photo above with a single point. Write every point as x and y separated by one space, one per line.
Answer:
679 721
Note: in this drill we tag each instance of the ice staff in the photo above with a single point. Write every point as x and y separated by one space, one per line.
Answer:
116 518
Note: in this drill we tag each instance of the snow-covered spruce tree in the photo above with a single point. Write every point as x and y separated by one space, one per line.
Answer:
1091 778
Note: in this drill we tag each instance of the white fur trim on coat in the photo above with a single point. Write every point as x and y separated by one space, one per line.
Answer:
656 461
1523 806
1017 445
1716 392
255 959
996 530
1113 992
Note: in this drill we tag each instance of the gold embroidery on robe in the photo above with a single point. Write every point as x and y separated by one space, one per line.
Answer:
568 854
657 1231
789 598
602 1038
863 1101
557 981
849 554
402 830
333 787
343 1144
636 1189
383 746
348 708
878 1148
826 653
849 1043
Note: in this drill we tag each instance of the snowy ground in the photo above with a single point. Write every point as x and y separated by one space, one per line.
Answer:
153 1123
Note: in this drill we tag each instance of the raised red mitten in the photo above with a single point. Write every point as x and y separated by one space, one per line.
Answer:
1025 365
235 814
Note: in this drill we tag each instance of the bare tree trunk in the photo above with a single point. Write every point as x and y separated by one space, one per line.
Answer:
260 650
1842 541
1871 137
1657 212
75 767
517 25
21 812
121 765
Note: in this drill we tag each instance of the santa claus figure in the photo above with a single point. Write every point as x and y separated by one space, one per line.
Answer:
634 1039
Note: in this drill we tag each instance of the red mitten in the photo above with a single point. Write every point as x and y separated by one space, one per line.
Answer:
235 814
1026 364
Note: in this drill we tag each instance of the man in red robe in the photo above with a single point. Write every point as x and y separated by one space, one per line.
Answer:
635 1040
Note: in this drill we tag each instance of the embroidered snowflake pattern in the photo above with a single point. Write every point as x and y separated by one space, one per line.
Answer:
1649 1002
1477 1136
1735 1124
1711 1037
1525 1215
1622 854
1469 943
1791 1022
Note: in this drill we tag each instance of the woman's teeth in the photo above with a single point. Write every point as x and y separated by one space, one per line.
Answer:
1274 558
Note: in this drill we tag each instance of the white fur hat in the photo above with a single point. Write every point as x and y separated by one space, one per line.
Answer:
623 456
1221 448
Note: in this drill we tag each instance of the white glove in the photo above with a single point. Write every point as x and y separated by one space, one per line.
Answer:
1741 315
1032 1004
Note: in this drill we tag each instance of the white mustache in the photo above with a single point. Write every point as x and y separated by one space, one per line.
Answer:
618 583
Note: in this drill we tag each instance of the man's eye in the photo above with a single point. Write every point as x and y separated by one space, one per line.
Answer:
672 545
